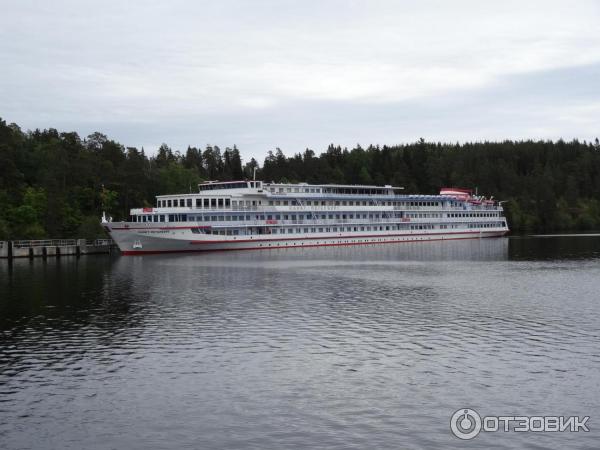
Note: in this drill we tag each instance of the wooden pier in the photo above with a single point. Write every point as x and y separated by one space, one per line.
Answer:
54 248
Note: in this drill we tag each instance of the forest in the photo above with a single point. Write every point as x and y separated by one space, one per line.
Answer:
56 184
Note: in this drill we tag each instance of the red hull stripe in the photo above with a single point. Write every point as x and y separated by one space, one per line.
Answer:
233 241
153 252
158 228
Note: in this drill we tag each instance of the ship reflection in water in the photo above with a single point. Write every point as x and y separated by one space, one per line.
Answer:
328 347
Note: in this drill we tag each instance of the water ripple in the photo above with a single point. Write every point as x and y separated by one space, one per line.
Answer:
319 348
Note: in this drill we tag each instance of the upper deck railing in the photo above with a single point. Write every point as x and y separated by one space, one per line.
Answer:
305 208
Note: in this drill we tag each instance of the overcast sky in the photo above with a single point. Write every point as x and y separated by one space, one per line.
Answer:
298 74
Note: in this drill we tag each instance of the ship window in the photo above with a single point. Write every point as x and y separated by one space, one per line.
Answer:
169 203
205 202
181 202
188 202
155 218
227 202
220 202
198 203
162 218
171 217
213 202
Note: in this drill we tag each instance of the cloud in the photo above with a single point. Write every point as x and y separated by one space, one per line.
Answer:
298 74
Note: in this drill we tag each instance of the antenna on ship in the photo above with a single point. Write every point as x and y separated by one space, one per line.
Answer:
254 174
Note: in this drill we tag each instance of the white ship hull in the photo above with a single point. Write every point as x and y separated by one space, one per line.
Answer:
135 241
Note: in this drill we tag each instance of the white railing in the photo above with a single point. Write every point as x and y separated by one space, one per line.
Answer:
358 221
308 208
58 243
44 243
101 242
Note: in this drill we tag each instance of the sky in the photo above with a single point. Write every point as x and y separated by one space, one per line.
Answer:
263 74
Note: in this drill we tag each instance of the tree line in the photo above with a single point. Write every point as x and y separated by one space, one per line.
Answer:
56 184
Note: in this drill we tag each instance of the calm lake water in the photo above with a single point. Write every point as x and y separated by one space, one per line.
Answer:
333 348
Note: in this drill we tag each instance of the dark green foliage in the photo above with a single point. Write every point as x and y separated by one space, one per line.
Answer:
56 185
546 185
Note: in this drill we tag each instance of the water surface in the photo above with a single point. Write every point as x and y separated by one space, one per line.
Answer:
333 348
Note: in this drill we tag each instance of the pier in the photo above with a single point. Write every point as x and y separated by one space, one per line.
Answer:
54 248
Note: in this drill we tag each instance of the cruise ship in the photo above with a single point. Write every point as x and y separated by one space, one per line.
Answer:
250 215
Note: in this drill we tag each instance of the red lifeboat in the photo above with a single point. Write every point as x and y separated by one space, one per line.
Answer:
457 193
